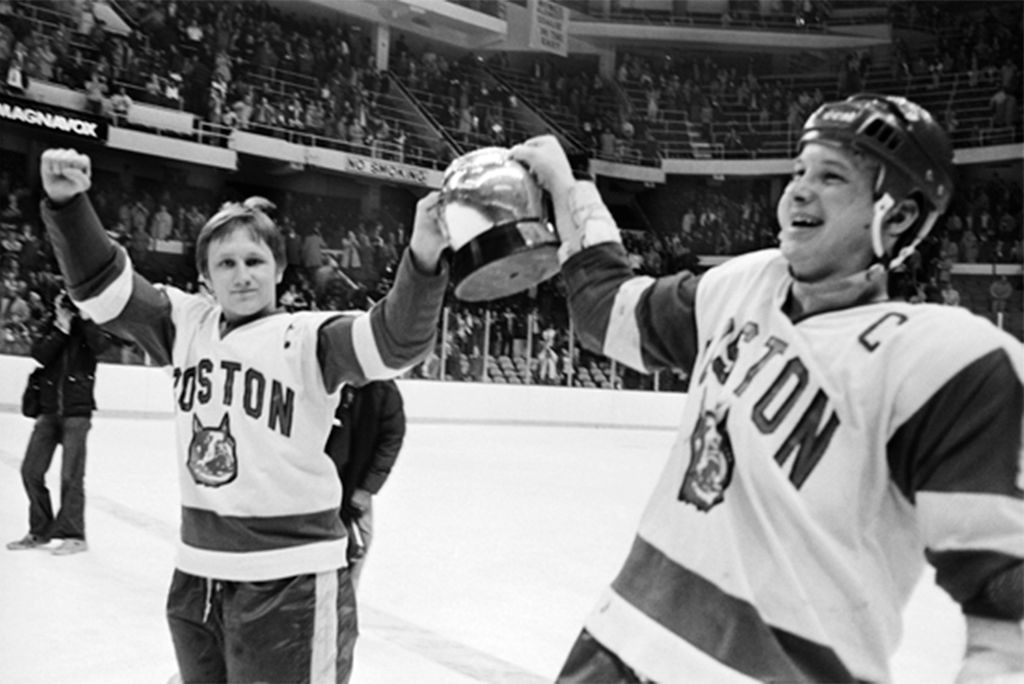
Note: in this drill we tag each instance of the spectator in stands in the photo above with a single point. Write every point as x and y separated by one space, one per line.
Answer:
17 79
324 276
430 367
950 295
313 246
32 256
17 313
172 91
43 59
351 262
547 358
999 105
161 226
120 105
10 214
293 250
293 299
999 293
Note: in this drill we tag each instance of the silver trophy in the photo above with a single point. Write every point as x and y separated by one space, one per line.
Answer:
497 220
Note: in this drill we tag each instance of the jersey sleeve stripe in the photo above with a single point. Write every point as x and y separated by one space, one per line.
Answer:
967 436
729 629
113 291
966 576
592 278
622 339
952 521
366 349
404 323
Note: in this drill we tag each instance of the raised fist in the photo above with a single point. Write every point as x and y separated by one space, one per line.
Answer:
65 173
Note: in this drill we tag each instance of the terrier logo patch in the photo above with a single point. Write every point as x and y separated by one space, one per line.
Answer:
711 462
211 454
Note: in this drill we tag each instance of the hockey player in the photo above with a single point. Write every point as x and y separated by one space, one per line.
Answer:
260 591
832 440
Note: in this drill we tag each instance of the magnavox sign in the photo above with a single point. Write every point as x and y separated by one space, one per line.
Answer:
54 119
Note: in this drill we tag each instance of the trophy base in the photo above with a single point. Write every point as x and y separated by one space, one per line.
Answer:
504 261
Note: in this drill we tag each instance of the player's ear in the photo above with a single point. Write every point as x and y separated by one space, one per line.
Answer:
280 273
902 217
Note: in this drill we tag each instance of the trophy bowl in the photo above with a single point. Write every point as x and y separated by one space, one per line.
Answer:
496 217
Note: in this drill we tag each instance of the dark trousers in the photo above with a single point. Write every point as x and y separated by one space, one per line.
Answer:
589 662
295 629
49 431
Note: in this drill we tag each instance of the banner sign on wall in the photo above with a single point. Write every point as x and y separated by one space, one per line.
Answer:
386 170
548 24
53 119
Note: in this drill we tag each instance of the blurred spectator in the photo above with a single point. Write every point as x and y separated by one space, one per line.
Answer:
17 80
313 246
162 225
96 89
950 295
120 104
999 293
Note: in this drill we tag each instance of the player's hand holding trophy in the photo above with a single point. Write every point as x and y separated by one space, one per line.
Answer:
497 220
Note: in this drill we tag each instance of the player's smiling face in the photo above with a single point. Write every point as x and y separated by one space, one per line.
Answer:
242 274
825 214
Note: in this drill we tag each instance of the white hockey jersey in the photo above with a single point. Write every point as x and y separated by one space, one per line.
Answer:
255 415
818 463
254 406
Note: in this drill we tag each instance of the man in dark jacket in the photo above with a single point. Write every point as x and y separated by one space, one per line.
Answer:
68 354
364 445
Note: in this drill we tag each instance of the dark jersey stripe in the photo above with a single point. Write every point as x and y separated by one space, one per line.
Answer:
204 529
726 628
405 322
670 341
87 256
592 279
985 583
967 437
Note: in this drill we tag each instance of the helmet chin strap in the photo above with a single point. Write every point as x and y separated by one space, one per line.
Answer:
883 205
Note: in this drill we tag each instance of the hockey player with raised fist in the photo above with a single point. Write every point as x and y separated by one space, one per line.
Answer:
833 441
260 591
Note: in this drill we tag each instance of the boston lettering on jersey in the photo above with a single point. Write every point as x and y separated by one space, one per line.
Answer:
203 383
810 436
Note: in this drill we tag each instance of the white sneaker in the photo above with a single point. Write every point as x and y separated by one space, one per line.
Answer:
70 546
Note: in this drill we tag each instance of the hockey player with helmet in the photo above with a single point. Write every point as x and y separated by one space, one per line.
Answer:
833 441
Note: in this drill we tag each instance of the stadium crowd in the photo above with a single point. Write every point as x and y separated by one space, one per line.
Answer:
253 66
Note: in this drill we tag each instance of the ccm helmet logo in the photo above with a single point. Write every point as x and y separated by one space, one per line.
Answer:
840 115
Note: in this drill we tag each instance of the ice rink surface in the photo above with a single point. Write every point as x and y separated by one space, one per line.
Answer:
492 544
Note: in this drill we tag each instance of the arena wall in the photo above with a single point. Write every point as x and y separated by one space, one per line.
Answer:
146 392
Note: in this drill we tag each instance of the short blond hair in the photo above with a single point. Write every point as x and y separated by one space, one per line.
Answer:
250 215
